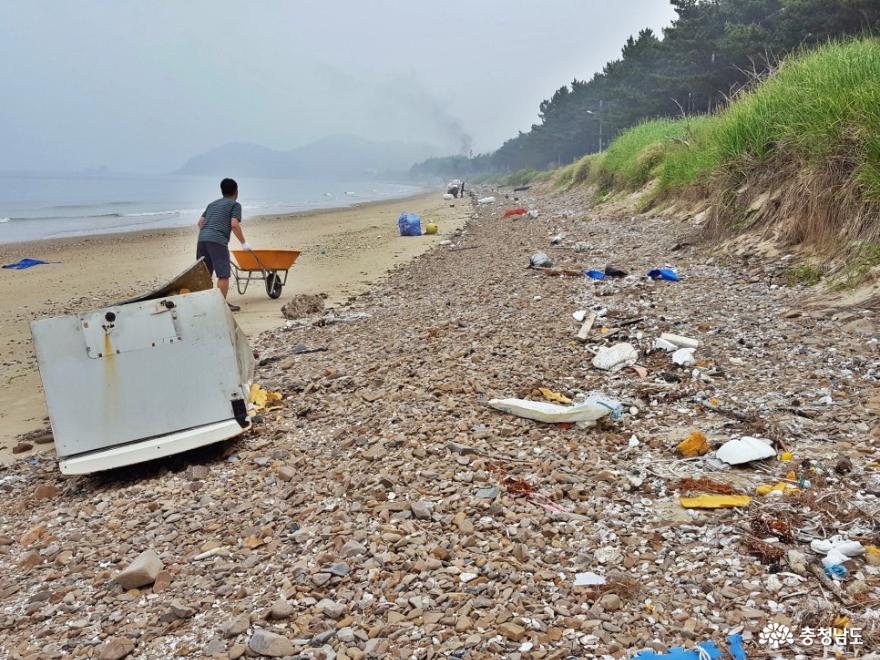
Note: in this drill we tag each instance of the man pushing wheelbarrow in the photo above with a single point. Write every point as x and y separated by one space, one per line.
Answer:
221 218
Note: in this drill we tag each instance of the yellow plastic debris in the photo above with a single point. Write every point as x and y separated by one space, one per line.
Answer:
715 501
694 445
841 621
786 456
766 489
550 395
792 475
260 397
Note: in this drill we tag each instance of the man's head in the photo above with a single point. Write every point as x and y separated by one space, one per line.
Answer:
229 188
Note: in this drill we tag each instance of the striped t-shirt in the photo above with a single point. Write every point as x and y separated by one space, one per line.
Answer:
218 220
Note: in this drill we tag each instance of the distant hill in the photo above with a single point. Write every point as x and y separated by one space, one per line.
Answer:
336 157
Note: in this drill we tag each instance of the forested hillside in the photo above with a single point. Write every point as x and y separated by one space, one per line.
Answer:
711 50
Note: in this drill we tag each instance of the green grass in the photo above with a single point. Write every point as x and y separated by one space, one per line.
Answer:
865 259
821 108
806 275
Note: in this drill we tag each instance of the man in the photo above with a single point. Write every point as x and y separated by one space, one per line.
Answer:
221 217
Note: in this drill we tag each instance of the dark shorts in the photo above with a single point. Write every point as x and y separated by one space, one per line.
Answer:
216 257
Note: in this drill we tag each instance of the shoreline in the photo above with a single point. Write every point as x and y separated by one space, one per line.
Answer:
345 251
4 247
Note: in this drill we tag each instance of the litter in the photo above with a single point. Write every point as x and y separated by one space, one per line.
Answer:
837 550
616 357
588 579
679 341
556 240
580 315
611 271
703 651
694 445
540 260
663 345
781 488
448 196
431 228
667 274
706 485
584 332
684 357
550 395
715 501
595 407
409 224
745 450
533 214
512 213
25 263
261 397
595 274
486 200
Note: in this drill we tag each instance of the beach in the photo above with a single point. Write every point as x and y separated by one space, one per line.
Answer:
343 251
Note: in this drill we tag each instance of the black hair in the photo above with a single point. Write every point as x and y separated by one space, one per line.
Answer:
228 187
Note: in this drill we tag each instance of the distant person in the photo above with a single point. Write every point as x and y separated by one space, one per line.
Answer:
461 190
221 218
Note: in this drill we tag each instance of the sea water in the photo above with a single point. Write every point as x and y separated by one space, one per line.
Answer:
34 207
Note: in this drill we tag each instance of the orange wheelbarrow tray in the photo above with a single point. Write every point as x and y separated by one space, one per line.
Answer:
270 266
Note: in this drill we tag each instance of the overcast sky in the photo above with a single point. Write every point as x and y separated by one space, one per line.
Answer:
142 85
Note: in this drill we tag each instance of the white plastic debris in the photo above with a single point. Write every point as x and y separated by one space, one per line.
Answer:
540 260
679 341
663 345
594 407
588 579
486 200
580 315
745 450
684 357
838 544
448 196
556 240
533 214
467 577
616 357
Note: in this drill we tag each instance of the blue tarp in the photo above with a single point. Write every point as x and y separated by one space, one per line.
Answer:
24 263
595 274
710 650
664 274
410 224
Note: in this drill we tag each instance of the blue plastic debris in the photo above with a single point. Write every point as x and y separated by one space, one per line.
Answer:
664 274
837 571
704 650
410 224
24 263
595 274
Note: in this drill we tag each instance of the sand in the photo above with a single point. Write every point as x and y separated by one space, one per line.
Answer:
343 252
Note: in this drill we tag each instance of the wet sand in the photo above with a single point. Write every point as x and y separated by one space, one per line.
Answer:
343 252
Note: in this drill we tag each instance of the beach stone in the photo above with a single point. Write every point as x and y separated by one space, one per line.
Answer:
141 572
611 602
273 645
46 492
353 548
331 608
22 447
215 647
116 648
281 609
512 631
420 511
236 626
236 651
286 473
339 569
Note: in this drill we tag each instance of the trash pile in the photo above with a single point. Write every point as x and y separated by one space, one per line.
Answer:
507 464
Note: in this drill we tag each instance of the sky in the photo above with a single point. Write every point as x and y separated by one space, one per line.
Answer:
142 85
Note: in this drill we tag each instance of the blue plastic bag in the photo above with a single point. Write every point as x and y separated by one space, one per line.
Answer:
664 274
25 263
595 274
410 224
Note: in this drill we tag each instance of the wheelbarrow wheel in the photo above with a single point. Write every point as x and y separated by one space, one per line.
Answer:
273 286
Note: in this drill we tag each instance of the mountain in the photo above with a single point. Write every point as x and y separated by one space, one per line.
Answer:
334 157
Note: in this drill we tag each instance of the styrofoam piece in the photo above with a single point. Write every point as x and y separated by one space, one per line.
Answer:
580 315
588 579
839 544
595 407
486 200
616 357
745 450
680 341
684 357
662 344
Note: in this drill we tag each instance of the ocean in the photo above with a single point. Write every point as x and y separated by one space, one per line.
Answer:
36 207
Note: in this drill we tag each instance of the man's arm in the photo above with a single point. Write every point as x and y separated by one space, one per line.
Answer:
201 222
239 234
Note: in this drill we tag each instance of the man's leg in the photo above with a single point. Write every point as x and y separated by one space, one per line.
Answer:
223 285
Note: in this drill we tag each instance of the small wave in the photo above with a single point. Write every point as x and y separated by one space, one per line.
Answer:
148 214
2 220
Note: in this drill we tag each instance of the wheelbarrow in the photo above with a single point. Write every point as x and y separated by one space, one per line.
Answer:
270 266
